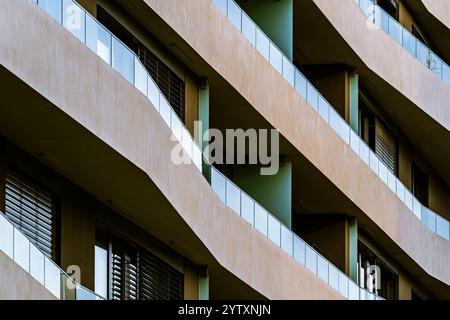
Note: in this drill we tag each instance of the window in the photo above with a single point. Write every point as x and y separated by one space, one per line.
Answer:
378 136
419 183
375 275
385 146
123 274
101 271
390 6
158 280
129 272
170 84
32 210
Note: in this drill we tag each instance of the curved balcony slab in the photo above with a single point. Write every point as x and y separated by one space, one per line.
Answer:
210 35
439 9
102 128
17 284
374 47
413 96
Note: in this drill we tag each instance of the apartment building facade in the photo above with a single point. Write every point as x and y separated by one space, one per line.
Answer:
100 97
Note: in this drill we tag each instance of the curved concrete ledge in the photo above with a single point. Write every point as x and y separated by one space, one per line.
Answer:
81 85
439 9
405 73
199 24
17 284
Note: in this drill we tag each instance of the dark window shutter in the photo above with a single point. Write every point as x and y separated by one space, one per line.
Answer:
131 279
158 280
386 146
167 81
123 276
170 84
32 210
116 277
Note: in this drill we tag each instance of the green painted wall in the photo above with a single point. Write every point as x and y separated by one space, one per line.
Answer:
353 102
353 249
274 193
203 110
203 287
276 19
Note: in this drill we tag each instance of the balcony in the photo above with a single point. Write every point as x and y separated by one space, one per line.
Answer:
304 88
158 122
22 251
122 59
130 70
262 85
414 46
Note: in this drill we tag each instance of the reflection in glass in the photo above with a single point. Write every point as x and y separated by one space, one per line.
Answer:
52 278
249 29
234 14
312 96
276 58
153 93
37 264
261 219
140 77
353 291
222 5
6 237
333 277
101 271
123 60
442 227
311 259
233 197
218 183
274 230
299 250
400 190
324 109
247 208
343 284
288 71
98 39
395 30
364 152
165 110
322 268
409 42
52 7
74 19
21 250
355 140
187 140
84 294
287 240
262 44
300 84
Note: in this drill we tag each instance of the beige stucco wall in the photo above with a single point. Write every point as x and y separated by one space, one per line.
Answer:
440 9
16 284
70 76
258 82
405 73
